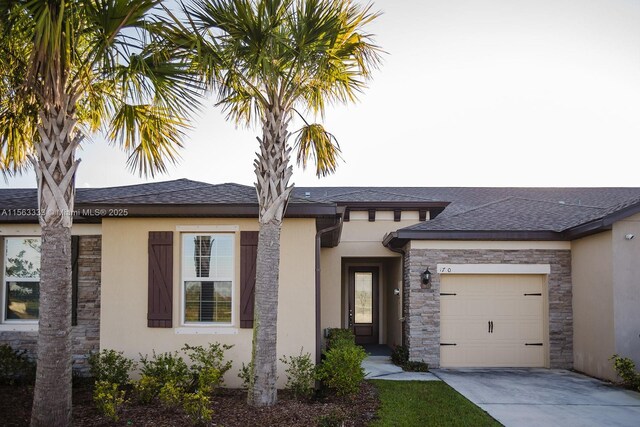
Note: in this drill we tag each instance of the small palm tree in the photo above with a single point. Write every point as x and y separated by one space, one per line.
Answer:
69 68
266 60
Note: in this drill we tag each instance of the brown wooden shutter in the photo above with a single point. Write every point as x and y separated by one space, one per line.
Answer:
248 255
75 251
160 298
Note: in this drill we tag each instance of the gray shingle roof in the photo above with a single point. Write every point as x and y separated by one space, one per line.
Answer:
470 208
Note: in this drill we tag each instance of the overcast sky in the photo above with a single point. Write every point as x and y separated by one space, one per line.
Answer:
471 93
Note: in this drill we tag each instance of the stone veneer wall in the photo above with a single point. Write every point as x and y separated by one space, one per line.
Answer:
85 336
422 305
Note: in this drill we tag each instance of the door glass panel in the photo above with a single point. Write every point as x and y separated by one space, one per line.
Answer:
363 297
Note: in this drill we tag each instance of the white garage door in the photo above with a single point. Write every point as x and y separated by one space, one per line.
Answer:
492 321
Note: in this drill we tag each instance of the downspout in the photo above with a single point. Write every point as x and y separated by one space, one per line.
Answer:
319 234
402 252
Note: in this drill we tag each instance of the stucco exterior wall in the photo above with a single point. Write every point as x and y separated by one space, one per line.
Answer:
594 340
626 287
422 303
124 292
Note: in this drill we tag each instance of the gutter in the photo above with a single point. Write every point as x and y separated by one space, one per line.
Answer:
319 234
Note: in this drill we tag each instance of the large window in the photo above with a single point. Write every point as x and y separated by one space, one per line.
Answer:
21 286
207 277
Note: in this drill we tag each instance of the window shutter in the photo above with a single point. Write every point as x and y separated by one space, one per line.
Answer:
75 251
160 298
248 255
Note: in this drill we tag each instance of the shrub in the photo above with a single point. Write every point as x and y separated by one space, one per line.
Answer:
338 337
108 398
146 389
341 370
626 369
166 367
159 370
197 408
171 395
300 374
400 357
245 375
15 366
208 366
110 366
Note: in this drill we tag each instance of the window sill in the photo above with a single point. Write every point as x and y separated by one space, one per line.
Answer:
16 327
195 330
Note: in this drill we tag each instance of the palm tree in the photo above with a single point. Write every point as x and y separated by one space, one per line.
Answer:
266 60
69 68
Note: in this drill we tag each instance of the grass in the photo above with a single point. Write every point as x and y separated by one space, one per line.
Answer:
426 403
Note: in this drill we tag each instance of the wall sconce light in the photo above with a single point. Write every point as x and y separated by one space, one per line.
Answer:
396 292
426 277
629 236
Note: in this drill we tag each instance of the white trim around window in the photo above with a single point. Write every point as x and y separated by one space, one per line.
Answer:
25 270
207 279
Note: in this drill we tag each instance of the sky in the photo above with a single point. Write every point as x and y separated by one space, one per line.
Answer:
470 93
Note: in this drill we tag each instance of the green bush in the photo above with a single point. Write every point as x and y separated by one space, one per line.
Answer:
108 398
110 366
335 418
300 374
341 370
207 365
245 375
626 369
400 357
15 366
338 337
197 407
159 370
146 389
171 395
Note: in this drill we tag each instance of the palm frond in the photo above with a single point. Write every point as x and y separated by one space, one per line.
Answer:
315 143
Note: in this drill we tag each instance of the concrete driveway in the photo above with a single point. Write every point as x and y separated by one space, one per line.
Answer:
545 397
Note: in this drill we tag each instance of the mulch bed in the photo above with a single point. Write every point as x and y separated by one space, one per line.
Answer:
229 406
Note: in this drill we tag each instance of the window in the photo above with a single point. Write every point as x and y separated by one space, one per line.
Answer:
207 277
21 286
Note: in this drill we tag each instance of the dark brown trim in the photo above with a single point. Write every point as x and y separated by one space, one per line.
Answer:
347 215
400 238
422 214
372 215
387 206
397 215
375 315
75 252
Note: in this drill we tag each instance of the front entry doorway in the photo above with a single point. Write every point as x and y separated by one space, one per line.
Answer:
363 304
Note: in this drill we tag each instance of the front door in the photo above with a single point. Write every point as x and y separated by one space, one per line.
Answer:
363 304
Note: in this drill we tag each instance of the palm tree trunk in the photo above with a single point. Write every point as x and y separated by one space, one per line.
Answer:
265 330
52 395
55 167
273 173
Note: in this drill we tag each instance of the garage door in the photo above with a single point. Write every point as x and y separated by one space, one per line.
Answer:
492 321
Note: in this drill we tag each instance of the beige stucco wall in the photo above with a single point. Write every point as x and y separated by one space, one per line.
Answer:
361 244
124 292
593 324
626 287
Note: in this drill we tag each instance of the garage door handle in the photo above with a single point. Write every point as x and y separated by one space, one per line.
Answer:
533 343
490 326
446 294
447 343
532 295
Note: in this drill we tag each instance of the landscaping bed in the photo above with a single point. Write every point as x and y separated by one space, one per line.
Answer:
229 409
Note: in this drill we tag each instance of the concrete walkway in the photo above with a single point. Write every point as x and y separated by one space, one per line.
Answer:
381 368
545 397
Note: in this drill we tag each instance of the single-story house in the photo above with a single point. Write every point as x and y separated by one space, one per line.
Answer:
464 277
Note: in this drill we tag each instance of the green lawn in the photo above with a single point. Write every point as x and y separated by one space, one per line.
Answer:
426 403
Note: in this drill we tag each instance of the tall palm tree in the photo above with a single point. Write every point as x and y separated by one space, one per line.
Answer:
267 60
69 68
